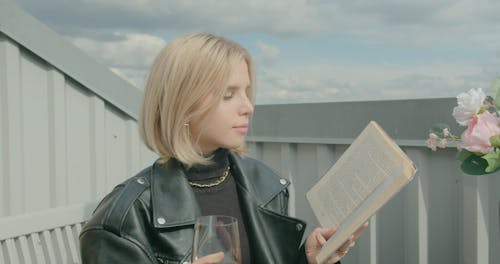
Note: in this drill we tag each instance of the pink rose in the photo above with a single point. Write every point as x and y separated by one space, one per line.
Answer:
477 136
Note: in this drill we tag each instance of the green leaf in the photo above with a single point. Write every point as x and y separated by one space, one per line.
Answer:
493 159
495 141
464 154
496 91
474 165
438 129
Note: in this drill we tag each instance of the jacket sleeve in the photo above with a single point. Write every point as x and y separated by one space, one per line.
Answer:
99 246
302 259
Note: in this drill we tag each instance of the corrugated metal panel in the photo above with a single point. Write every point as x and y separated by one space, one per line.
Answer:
61 143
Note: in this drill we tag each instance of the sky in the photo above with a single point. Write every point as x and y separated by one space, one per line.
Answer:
305 50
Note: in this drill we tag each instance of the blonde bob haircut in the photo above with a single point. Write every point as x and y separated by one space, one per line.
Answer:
184 74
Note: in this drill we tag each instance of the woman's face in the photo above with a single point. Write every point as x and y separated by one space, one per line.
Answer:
227 125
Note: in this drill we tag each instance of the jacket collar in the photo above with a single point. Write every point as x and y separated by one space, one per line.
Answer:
173 200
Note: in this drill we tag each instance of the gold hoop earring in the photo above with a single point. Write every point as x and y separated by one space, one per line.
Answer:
186 125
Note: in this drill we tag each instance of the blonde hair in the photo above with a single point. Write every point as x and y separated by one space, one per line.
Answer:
184 74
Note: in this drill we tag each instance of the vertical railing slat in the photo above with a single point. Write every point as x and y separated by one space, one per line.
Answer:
373 241
483 219
59 180
37 248
494 224
4 155
12 253
72 247
78 143
416 214
116 150
14 192
366 246
99 183
48 246
35 133
475 247
2 258
78 228
25 252
60 246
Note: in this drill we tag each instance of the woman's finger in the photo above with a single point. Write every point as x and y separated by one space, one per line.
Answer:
360 230
328 232
321 235
344 248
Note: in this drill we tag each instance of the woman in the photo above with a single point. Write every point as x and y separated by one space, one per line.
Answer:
195 114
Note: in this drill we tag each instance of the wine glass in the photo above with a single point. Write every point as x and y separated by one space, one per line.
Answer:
217 233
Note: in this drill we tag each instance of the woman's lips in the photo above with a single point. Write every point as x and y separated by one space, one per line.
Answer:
243 129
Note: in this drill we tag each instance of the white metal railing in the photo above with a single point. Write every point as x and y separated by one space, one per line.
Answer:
442 216
49 236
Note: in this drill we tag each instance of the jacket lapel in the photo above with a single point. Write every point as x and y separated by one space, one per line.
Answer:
274 238
173 200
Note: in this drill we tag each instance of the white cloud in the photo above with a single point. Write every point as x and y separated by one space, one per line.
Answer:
344 81
127 55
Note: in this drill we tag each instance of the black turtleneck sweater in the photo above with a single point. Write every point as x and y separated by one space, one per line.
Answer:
221 199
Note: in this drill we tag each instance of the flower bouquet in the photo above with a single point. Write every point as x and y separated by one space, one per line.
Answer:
479 144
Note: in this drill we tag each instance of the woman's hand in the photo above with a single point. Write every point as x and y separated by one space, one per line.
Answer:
210 259
318 238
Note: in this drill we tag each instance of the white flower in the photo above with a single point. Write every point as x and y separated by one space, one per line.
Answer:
433 136
469 105
431 143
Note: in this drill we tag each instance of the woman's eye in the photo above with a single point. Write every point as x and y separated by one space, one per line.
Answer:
228 95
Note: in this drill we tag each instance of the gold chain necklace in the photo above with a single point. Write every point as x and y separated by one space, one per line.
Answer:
212 184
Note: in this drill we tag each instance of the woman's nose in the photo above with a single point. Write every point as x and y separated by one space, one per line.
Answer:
247 106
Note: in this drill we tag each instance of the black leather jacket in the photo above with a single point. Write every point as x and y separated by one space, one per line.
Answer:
150 217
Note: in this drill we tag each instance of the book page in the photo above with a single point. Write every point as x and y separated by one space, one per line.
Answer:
365 177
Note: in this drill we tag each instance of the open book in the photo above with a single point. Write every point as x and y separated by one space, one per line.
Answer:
364 178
